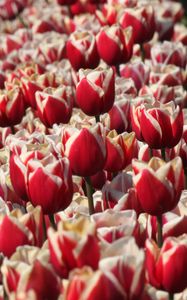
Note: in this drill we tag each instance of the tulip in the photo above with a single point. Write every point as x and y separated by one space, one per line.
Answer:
12 107
159 125
69 246
118 117
49 183
118 40
54 105
95 91
112 225
138 71
166 267
142 21
170 75
28 273
125 271
121 149
86 150
169 53
22 235
82 51
167 182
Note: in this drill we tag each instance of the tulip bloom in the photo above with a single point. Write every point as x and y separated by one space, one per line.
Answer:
12 107
49 183
95 91
167 267
82 50
120 150
159 125
142 20
86 150
69 246
158 184
54 105
118 40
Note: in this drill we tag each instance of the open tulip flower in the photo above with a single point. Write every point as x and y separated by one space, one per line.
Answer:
158 184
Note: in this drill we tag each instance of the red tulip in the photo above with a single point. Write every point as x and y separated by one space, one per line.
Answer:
138 71
97 86
86 150
170 75
158 184
118 40
82 51
12 107
54 105
142 20
169 53
22 235
120 150
159 125
167 267
49 183
69 246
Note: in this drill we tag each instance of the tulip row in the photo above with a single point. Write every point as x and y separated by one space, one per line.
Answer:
93 156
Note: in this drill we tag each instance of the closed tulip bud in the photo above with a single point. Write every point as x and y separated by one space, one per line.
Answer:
125 267
22 235
167 267
49 183
138 71
29 275
18 165
52 47
142 20
170 75
86 150
161 124
118 40
95 91
54 105
112 225
169 53
87 283
12 107
167 183
82 50
69 246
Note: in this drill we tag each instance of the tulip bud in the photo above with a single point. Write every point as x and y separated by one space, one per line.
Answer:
95 91
118 40
82 51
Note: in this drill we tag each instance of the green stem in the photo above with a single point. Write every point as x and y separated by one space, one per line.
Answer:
52 221
44 230
171 296
22 21
159 230
185 175
12 129
89 193
118 69
142 52
97 119
150 153
163 153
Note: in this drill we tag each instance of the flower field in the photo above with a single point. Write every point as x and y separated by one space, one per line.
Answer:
93 150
